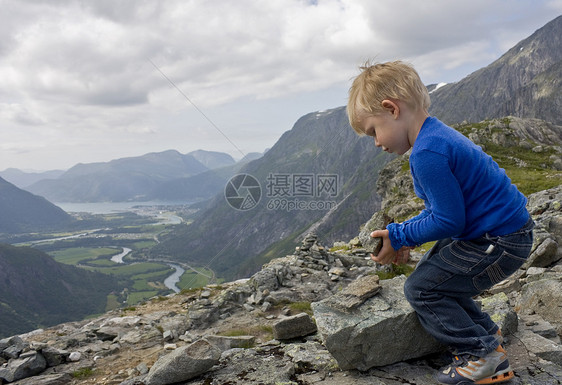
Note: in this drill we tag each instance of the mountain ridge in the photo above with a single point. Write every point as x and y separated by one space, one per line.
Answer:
523 82
22 211
131 178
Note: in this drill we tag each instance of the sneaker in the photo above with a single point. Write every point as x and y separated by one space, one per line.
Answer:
462 359
491 369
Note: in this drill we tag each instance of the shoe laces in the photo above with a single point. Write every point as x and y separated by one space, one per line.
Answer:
460 360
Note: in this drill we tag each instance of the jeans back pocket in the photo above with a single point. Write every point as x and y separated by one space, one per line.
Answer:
461 256
498 271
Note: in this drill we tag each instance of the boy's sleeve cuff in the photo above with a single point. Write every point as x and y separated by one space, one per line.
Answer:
396 235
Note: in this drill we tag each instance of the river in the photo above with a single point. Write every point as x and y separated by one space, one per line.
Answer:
170 282
118 258
173 279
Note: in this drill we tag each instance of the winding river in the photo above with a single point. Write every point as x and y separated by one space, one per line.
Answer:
170 282
173 279
118 258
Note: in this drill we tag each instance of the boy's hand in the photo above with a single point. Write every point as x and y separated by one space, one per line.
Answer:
387 254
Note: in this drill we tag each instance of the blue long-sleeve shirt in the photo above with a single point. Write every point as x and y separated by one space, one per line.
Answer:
465 192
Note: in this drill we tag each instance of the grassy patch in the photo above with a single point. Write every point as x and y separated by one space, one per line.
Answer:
300 307
530 181
112 302
135 270
263 332
192 280
335 249
76 255
425 247
143 244
395 271
83 373
139 296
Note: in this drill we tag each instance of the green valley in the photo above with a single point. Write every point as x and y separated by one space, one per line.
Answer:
116 245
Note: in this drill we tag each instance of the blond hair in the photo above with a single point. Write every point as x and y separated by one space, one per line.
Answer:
376 82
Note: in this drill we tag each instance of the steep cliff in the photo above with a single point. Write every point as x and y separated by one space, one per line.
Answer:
524 82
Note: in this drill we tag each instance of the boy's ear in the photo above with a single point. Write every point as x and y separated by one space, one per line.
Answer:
391 107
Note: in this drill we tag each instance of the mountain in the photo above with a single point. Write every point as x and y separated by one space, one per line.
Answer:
21 211
524 82
127 179
23 179
204 185
318 175
201 186
36 291
212 159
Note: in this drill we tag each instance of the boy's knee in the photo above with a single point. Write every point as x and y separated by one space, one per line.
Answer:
411 292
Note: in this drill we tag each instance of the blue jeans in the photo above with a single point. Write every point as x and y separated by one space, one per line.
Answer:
447 277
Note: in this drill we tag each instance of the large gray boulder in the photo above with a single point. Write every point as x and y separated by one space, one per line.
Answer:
543 297
25 366
183 364
382 330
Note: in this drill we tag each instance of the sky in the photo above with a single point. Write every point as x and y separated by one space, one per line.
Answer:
91 81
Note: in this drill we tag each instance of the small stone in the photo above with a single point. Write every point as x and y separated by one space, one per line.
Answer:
74 356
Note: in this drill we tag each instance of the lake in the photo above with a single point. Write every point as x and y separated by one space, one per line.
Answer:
112 207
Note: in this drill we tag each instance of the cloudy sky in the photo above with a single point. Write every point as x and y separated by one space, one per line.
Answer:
86 81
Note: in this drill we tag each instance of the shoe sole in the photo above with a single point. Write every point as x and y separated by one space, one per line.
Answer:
503 376
497 378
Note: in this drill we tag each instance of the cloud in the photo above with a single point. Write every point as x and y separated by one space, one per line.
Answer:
86 67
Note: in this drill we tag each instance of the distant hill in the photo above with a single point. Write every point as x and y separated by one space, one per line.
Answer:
320 145
212 159
128 179
201 186
36 291
23 179
525 82
21 211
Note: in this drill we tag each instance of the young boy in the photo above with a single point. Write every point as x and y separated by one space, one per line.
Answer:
479 219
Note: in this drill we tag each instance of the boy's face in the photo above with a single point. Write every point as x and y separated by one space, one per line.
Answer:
387 130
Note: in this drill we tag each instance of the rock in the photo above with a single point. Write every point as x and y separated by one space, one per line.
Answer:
541 347
360 339
19 368
545 254
497 306
12 347
54 356
377 222
183 364
355 293
49 379
310 356
142 368
296 326
107 333
224 343
544 298
168 335
127 321
74 356
266 365
538 325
